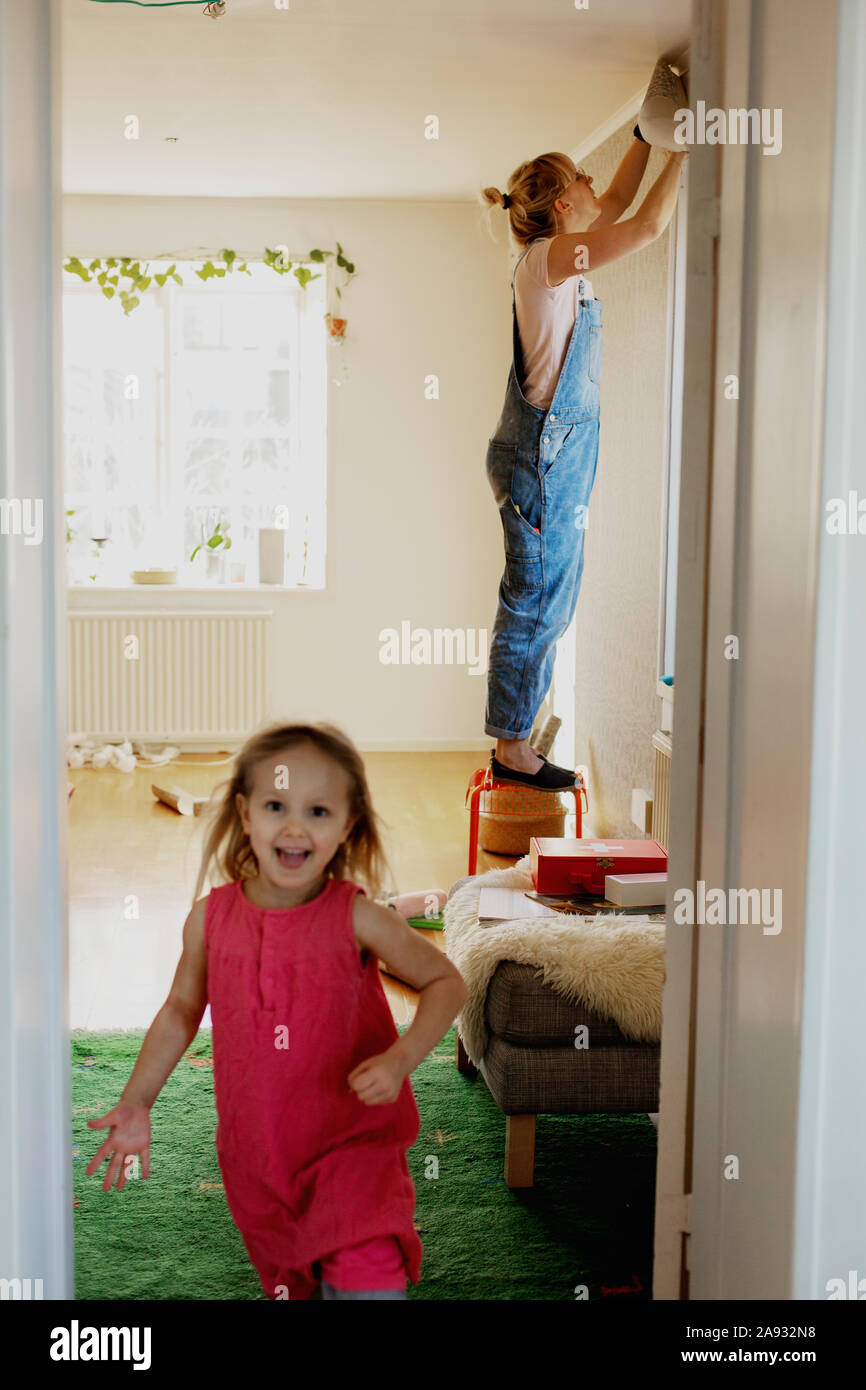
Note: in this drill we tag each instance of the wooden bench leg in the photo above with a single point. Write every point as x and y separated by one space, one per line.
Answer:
464 1065
519 1150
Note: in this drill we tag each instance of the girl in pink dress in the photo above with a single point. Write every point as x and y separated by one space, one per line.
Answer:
315 1110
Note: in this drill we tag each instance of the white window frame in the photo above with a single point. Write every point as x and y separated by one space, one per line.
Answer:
308 429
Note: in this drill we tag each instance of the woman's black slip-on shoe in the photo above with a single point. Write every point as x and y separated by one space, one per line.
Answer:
555 765
548 778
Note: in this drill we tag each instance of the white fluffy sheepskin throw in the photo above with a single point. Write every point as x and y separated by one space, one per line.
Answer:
614 966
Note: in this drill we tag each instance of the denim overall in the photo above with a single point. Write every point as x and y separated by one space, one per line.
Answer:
541 466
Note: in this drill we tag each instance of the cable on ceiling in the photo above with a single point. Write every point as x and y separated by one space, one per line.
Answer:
214 8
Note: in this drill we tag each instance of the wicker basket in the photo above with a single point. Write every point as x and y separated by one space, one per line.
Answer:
508 817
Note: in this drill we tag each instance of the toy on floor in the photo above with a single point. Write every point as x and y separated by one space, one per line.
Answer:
117 755
80 749
179 800
421 909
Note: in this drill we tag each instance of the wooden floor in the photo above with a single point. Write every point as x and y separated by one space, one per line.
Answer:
129 854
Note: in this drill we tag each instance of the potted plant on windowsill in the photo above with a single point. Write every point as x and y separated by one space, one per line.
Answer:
214 547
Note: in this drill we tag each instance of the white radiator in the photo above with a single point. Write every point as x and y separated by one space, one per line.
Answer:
167 677
663 746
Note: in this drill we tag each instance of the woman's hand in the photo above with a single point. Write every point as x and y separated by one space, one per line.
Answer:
130 1134
378 1080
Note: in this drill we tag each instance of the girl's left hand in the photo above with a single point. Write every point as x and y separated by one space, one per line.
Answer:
378 1080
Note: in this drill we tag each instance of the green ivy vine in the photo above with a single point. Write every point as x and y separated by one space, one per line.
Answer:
126 279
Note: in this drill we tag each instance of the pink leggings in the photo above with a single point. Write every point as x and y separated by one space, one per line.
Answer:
374 1264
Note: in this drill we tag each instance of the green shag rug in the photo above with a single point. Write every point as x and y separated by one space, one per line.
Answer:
587 1221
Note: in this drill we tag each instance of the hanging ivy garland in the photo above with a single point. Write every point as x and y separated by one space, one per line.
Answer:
109 274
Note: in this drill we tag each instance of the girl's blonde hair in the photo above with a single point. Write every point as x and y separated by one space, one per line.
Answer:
227 847
532 190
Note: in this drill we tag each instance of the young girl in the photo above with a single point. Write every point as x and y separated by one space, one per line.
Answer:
542 456
314 1105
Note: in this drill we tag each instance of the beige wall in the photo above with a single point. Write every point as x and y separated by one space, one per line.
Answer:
413 531
617 621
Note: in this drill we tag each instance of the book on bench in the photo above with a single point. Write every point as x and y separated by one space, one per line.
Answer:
517 904
508 905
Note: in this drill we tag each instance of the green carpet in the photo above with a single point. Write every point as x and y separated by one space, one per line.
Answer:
587 1221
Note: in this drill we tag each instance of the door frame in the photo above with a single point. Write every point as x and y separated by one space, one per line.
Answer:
741 771
676 1104
35 1106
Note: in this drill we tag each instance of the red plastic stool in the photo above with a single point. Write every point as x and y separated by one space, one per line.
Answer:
484 781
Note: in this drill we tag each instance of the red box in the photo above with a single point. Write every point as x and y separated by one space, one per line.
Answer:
580 866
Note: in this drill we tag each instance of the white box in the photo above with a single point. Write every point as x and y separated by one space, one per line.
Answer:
636 890
642 809
272 555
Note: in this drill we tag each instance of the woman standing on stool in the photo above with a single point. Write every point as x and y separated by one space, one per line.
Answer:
541 459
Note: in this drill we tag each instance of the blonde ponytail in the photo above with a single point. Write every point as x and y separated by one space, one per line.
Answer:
533 189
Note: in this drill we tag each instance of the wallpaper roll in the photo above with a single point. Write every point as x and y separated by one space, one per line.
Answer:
665 96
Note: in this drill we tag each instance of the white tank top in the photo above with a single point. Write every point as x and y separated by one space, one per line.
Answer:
545 319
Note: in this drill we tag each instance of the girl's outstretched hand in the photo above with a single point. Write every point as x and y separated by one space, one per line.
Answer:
130 1134
377 1081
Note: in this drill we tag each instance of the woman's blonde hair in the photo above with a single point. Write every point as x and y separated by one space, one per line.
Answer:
227 847
532 190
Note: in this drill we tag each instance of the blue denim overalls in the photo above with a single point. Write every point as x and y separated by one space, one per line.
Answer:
541 466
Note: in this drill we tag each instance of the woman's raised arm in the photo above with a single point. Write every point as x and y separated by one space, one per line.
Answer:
620 192
580 253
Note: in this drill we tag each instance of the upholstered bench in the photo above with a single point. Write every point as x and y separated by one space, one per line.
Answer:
539 1050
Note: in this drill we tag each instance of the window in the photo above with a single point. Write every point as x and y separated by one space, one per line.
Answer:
202 412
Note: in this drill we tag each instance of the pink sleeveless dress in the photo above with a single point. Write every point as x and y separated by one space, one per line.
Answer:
308 1168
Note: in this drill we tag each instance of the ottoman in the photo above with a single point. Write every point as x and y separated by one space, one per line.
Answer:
547 1055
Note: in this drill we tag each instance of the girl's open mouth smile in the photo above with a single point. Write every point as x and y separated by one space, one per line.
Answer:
292 858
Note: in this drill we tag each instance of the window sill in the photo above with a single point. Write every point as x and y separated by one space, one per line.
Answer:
154 591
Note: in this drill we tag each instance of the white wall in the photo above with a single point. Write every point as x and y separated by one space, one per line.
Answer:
617 621
413 530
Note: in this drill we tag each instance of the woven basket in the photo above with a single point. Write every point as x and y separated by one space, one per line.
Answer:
508 817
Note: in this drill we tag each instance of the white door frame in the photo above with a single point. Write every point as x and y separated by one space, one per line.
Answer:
673 1180
35 1111
748 550
830 1230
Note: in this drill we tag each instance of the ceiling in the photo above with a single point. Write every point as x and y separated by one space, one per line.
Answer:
328 98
